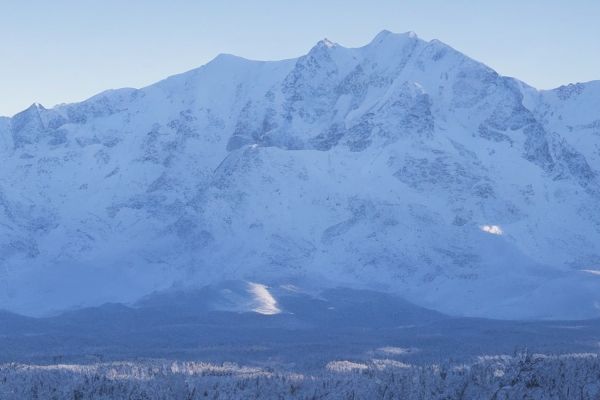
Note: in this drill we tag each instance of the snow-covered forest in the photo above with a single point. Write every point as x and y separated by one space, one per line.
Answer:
523 375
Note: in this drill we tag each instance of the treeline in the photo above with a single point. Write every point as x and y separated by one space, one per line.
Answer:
573 376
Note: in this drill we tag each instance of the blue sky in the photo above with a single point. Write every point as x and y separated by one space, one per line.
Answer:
67 50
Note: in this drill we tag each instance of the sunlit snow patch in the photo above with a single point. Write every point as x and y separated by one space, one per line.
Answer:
492 229
345 366
396 351
592 271
263 301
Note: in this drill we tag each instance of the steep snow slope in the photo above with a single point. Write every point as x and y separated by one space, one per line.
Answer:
400 166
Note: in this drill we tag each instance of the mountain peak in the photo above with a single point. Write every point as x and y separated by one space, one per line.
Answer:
35 107
385 34
324 48
389 39
326 43
227 57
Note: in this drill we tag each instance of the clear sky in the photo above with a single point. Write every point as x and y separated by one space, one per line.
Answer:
67 50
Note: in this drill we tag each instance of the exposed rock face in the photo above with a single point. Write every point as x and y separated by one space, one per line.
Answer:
373 167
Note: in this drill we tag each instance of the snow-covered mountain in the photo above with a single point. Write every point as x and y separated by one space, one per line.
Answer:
402 166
